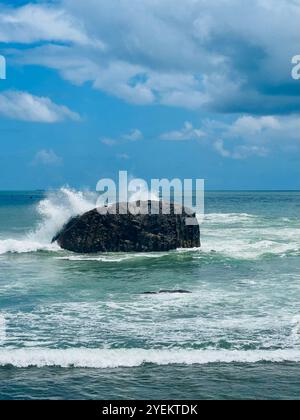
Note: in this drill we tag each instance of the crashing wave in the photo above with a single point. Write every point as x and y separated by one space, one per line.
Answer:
104 359
55 210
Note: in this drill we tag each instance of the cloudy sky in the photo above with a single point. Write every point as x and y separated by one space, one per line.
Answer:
161 88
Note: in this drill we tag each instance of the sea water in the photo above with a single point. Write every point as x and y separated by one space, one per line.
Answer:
83 326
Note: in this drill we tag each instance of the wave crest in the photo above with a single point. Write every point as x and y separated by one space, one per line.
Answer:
104 359
230 235
55 210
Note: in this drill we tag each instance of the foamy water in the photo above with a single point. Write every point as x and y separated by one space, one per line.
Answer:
54 211
240 305
2 329
103 359
233 235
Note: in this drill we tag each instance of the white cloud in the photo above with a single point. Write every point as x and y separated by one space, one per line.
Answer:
26 107
47 157
219 147
254 125
254 136
33 23
134 135
188 132
108 141
191 53
266 128
240 151
123 156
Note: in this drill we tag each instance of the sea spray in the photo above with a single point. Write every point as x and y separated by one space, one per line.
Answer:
67 310
58 208
54 211
241 236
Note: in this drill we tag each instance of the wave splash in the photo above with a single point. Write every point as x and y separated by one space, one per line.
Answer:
54 211
230 235
107 359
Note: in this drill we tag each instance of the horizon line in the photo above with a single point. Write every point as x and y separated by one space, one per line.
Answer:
207 190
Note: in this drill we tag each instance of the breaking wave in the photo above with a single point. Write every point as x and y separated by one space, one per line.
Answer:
104 359
247 236
229 235
54 211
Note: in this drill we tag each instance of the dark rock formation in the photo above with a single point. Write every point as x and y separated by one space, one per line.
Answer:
94 232
168 292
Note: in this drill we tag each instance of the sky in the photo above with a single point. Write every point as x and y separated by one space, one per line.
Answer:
160 88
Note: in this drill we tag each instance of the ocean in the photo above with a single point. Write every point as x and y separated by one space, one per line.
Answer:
84 327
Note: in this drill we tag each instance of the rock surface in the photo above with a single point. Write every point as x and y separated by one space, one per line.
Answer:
94 232
168 292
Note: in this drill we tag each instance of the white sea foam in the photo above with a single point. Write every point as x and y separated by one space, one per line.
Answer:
54 211
229 218
247 248
2 329
114 258
233 235
246 236
107 358
24 246
295 334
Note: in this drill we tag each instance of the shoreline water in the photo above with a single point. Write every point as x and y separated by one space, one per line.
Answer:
262 381
94 312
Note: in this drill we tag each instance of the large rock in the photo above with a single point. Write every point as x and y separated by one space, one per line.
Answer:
94 232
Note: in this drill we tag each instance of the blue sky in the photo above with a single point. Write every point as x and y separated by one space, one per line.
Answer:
161 88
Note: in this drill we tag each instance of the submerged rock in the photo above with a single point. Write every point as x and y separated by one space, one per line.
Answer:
168 292
94 232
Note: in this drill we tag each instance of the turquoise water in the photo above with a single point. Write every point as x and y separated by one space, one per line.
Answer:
75 326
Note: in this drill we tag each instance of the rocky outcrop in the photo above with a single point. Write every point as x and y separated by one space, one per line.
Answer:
94 232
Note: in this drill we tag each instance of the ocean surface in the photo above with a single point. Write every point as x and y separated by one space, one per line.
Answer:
82 327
